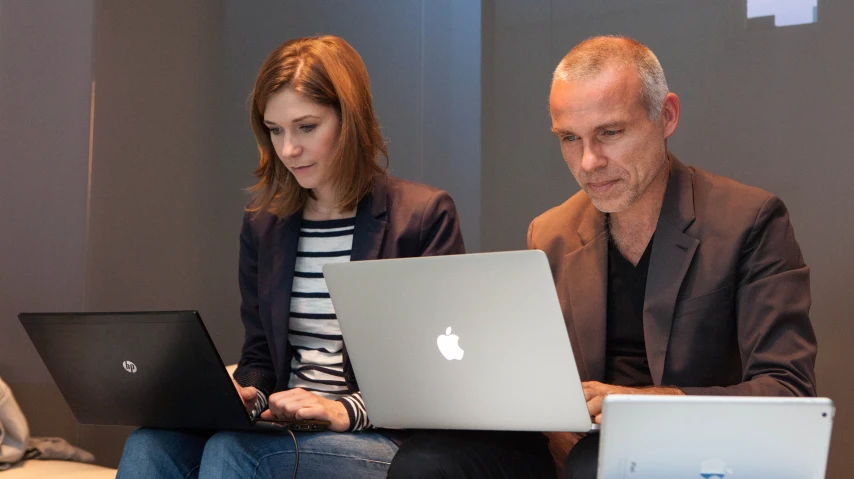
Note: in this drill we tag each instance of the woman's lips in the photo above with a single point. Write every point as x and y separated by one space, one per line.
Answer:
300 169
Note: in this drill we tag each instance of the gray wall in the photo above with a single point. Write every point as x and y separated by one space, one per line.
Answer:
152 222
760 104
141 223
423 57
162 232
45 83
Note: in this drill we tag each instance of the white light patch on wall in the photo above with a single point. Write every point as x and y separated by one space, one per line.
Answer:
785 12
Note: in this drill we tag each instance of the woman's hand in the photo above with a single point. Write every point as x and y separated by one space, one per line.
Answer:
247 394
301 404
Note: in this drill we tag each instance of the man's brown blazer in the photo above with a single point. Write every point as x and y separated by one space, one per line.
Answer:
726 310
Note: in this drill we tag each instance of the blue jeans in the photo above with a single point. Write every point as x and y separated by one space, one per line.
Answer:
254 454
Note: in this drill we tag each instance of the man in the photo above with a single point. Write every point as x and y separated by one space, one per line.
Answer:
672 280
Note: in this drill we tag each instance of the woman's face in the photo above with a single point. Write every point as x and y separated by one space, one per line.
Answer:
304 135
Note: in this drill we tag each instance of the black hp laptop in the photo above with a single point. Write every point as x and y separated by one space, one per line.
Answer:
151 369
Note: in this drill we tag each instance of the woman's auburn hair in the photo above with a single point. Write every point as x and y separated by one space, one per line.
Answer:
328 71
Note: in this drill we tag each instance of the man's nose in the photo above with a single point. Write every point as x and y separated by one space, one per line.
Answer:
592 158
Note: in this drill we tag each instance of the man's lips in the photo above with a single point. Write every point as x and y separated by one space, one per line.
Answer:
601 186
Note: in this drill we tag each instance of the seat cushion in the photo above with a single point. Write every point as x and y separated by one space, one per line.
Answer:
37 469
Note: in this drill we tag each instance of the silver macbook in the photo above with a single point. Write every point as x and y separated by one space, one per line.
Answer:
714 437
473 341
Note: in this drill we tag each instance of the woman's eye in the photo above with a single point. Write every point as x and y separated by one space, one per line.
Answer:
307 128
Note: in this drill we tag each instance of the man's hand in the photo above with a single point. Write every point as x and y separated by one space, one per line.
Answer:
595 392
301 404
247 394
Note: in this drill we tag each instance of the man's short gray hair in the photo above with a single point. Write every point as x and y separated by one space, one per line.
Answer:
592 56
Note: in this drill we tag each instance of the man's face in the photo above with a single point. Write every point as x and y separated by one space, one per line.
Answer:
610 144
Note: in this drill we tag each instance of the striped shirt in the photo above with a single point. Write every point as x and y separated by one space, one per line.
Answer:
314 335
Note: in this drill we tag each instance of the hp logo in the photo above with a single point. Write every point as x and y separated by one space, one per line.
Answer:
129 366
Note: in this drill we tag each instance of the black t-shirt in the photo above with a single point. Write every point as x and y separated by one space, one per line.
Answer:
625 351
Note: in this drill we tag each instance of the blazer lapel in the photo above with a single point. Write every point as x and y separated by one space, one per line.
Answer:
586 270
284 263
368 238
371 222
672 253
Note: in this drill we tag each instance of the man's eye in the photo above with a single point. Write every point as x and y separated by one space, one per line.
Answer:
611 132
570 138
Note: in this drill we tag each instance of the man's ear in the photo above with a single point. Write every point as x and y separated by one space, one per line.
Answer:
670 114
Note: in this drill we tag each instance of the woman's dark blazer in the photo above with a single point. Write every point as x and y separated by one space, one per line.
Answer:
398 219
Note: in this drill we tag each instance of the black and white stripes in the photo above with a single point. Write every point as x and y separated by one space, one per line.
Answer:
356 410
314 334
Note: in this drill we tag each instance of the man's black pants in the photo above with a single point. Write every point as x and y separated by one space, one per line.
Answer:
473 454
583 459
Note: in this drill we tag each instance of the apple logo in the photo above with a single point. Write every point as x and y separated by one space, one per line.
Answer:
449 346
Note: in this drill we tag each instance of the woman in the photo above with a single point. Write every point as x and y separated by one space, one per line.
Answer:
321 197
